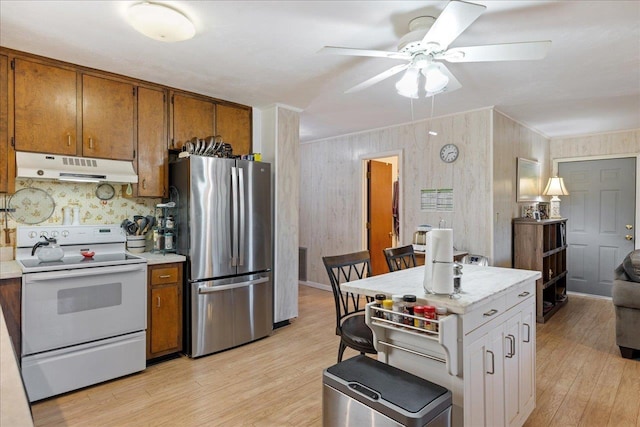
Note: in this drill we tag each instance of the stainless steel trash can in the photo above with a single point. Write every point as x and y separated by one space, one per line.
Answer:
364 392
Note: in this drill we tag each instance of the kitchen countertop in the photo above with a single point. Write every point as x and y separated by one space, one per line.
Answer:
10 270
157 258
479 284
15 409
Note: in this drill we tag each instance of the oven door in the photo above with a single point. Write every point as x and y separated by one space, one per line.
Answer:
63 308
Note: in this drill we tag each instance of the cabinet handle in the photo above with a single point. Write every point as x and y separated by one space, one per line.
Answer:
91 143
144 183
493 360
524 294
490 312
158 304
165 276
68 140
512 346
528 332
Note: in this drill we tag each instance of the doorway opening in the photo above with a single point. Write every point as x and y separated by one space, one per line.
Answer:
381 214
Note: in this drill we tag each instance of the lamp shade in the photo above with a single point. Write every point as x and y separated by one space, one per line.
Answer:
160 22
555 187
408 84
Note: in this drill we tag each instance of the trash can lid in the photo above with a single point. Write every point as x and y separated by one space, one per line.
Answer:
395 386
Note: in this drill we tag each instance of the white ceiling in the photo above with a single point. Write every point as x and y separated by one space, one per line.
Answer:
263 52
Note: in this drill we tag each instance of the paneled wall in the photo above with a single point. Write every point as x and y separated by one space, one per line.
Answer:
604 144
331 184
510 141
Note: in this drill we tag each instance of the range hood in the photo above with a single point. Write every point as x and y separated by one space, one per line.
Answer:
71 168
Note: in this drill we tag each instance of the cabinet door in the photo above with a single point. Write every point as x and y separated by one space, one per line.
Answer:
192 117
4 124
528 359
233 124
45 108
512 368
166 319
484 376
10 300
107 118
152 143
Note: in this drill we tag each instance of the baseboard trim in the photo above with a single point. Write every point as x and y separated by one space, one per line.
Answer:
580 294
321 286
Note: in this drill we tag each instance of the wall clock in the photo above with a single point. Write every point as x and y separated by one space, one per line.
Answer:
449 153
105 192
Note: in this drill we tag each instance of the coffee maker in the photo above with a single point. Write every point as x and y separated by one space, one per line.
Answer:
420 237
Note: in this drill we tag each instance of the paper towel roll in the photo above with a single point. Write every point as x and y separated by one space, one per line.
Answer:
438 276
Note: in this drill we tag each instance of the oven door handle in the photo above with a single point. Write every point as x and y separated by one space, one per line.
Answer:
97 271
211 289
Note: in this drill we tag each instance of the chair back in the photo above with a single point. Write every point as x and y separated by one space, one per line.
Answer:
342 269
400 258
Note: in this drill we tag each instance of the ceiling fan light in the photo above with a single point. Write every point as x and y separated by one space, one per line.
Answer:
436 80
160 22
408 84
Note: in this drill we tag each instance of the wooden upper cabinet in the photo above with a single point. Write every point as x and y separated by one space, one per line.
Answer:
4 124
233 124
152 143
45 108
107 118
192 117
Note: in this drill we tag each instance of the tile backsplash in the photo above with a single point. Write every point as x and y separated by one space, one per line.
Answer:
76 195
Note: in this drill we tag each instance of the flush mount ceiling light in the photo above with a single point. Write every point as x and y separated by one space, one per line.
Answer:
160 22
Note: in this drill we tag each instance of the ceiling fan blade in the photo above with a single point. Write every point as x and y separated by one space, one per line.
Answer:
453 84
498 52
363 52
454 19
375 79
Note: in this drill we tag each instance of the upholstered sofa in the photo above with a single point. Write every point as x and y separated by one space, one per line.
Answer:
626 299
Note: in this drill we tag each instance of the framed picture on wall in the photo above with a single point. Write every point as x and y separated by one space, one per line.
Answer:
528 181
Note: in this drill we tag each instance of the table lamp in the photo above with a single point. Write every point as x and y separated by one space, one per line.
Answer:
555 187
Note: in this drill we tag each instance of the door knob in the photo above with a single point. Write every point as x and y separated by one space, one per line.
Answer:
628 237
629 227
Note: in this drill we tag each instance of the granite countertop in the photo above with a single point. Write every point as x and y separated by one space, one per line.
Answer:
15 410
158 258
479 284
10 270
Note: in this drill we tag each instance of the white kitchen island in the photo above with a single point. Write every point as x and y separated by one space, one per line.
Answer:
484 352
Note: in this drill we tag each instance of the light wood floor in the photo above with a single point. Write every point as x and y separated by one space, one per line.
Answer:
581 380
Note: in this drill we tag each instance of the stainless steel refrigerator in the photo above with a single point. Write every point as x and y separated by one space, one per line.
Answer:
224 228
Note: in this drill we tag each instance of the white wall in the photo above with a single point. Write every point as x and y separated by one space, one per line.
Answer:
331 189
510 141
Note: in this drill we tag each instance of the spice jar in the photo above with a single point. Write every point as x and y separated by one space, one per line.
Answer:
168 240
397 308
418 311
169 223
441 313
429 314
409 302
387 305
378 303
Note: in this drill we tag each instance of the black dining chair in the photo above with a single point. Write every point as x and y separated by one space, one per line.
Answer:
350 324
400 258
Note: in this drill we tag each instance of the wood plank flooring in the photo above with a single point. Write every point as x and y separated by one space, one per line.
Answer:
277 381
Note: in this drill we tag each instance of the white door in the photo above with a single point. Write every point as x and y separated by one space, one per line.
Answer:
600 229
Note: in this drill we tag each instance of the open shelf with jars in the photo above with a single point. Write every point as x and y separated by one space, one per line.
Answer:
542 246
164 232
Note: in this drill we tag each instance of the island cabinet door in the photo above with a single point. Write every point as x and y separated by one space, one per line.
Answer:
484 379
512 360
527 390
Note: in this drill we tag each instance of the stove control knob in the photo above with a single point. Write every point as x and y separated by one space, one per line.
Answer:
33 234
65 233
44 234
54 234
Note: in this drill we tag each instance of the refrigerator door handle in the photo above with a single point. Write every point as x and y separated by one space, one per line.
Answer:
212 289
234 237
242 216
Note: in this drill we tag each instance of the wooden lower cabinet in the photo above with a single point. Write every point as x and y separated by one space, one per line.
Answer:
164 311
11 302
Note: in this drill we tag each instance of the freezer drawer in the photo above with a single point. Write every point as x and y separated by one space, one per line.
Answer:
364 392
229 313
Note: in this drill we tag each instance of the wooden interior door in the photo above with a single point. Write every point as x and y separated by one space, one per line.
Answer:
380 214
600 212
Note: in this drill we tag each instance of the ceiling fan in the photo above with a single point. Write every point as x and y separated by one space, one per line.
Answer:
427 43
